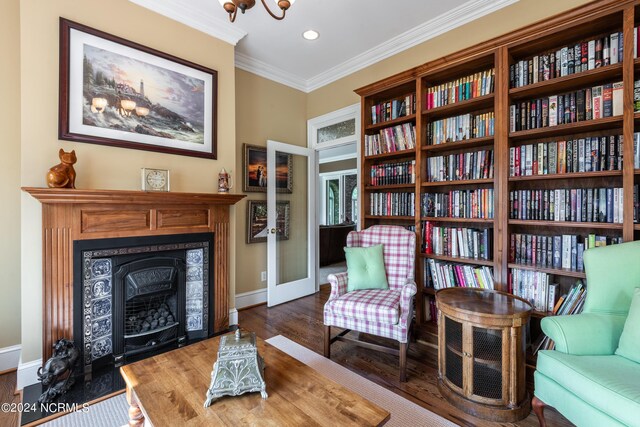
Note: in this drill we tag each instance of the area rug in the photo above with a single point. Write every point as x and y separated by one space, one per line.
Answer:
403 412
113 412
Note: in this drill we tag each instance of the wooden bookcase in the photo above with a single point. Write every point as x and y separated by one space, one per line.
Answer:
588 22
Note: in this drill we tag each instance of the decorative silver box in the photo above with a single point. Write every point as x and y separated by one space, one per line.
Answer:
239 368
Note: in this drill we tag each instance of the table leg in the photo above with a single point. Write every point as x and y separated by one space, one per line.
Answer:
136 417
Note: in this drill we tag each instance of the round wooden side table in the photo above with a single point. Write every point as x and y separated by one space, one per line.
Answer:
481 352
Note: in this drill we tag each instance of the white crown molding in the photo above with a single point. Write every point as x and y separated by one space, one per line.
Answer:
448 21
255 66
200 19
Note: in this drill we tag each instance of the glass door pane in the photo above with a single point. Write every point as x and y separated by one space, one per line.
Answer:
333 204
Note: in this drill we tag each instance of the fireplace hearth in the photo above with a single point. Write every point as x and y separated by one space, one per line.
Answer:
140 296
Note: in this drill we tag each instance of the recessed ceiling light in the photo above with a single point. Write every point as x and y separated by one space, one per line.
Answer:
310 35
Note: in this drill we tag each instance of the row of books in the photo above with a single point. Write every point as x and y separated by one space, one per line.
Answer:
636 203
460 128
534 287
392 204
457 241
393 173
584 104
462 89
476 203
391 139
461 166
560 251
441 275
577 58
568 204
393 109
557 157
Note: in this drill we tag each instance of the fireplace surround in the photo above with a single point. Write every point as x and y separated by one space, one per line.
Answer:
71 215
137 296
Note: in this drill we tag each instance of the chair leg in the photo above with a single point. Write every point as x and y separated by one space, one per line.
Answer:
538 409
327 341
403 361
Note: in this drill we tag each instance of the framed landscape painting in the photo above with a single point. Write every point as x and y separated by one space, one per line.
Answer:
119 93
257 221
254 160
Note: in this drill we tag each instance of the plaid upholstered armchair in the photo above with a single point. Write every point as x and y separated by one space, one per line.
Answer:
382 312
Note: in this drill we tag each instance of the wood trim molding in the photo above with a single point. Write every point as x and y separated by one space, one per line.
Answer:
71 215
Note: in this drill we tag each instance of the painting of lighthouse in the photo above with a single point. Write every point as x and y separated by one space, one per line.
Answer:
120 93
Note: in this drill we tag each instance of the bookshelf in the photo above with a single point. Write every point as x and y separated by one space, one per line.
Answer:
579 29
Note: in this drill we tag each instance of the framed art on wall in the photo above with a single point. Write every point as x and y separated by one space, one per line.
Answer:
119 93
254 162
257 221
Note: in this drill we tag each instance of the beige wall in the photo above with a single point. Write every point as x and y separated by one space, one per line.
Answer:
98 166
340 94
264 110
10 174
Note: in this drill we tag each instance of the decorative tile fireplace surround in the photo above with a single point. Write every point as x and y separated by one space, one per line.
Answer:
110 231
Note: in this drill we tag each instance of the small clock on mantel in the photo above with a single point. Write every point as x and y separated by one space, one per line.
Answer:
155 179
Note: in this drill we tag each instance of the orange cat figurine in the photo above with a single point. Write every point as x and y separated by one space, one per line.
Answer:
63 175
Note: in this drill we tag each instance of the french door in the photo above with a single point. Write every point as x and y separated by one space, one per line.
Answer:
291 234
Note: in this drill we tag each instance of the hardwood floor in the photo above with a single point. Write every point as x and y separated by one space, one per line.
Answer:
7 395
301 321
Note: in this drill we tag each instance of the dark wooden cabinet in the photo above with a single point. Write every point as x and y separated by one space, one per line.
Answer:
333 239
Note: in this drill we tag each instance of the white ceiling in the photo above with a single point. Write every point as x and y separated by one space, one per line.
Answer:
353 33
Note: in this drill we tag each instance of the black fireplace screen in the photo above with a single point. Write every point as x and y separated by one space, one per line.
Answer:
135 298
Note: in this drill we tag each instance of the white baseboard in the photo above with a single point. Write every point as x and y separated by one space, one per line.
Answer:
9 357
28 373
250 298
233 317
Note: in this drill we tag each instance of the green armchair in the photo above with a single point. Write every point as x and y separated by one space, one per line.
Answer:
583 378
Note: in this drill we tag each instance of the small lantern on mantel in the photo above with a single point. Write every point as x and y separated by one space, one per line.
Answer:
239 368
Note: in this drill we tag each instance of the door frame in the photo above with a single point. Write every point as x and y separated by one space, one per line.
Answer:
312 165
350 112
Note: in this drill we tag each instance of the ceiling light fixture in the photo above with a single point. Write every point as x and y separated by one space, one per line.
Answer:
310 35
232 6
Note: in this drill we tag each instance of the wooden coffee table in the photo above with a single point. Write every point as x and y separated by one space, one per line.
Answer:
169 390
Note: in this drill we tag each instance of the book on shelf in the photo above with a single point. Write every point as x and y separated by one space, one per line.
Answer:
532 286
393 173
393 109
461 128
469 87
576 58
585 104
441 275
636 150
555 251
589 154
391 139
476 203
392 204
604 205
457 241
461 166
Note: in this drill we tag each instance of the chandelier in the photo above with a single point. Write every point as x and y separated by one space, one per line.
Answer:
232 6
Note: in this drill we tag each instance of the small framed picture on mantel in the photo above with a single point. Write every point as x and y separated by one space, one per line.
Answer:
119 93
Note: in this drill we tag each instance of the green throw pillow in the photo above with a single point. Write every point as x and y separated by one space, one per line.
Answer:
365 268
629 346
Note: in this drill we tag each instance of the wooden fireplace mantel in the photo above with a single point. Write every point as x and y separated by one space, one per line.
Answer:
69 215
